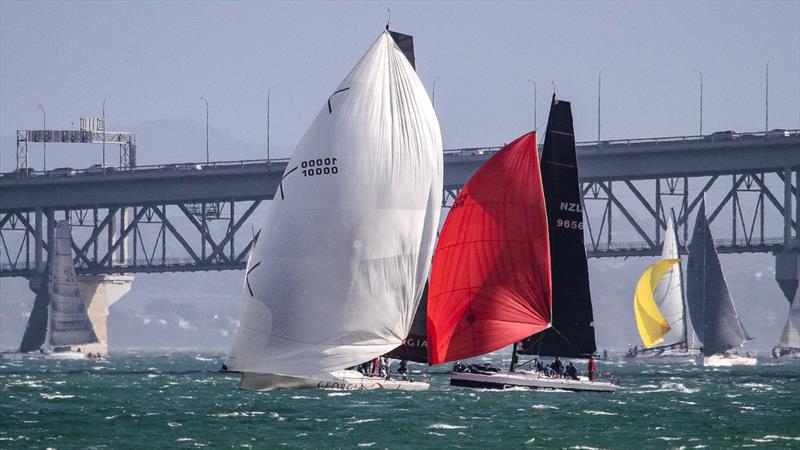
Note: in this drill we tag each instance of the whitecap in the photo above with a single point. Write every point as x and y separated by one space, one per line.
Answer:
444 426
366 444
353 422
338 394
599 413
666 438
55 396
174 424
433 433
540 406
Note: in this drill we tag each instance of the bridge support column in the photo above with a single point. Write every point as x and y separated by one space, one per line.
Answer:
787 273
98 293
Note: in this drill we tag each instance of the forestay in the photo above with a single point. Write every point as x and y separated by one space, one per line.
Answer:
342 259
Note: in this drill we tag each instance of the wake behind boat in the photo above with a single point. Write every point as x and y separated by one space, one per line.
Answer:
342 259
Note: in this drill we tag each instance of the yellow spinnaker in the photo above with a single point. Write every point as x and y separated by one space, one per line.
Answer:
651 323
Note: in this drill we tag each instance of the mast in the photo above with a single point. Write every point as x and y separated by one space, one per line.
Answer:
572 329
680 277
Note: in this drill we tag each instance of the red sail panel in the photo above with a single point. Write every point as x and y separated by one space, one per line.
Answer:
490 281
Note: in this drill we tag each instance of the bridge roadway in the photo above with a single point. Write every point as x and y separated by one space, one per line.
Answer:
635 159
748 158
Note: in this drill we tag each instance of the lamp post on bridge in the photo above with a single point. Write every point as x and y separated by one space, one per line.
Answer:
701 100
535 120
269 94
599 86
44 137
207 153
104 128
766 100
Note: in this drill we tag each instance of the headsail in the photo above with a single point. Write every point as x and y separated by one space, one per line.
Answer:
490 282
347 243
572 332
649 318
69 322
713 315
36 330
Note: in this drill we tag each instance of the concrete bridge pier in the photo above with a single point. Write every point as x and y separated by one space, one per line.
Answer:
98 293
787 273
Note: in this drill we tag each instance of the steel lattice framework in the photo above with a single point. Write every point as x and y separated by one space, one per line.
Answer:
192 217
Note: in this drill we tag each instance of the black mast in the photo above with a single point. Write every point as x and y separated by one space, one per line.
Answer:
572 330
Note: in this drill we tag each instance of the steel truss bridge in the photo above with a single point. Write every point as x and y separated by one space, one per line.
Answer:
199 217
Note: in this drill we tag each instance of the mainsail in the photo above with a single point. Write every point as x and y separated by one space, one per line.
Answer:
490 282
790 338
36 330
713 315
572 331
339 269
69 322
668 293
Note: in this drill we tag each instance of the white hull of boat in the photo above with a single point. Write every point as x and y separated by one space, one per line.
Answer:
666 356
345 380
37 355
527 379
727 361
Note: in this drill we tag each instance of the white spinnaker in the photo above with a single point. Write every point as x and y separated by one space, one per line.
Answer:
669 292
342 259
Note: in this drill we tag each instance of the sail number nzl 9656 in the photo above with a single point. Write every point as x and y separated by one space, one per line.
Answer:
319 167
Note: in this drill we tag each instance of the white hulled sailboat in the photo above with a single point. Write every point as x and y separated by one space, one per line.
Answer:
342 259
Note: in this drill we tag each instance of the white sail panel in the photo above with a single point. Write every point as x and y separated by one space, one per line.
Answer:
69 322
669 292
343 256
790 337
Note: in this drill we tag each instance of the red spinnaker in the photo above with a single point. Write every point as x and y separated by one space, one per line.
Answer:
490 281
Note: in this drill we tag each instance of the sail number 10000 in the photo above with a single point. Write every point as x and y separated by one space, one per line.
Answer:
319 166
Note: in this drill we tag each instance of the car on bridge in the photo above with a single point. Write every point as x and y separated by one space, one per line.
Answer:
720 136
62 172
778 133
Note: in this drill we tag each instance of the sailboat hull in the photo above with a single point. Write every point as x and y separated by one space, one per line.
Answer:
345 380
526 379
727 361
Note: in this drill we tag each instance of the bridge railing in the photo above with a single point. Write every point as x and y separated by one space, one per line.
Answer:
723 136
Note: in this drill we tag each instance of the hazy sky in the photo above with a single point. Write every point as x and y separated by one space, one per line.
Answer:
156 59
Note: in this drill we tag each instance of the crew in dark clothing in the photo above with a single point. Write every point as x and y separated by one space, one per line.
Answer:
403 369
514 361
557 367
572 372
537 364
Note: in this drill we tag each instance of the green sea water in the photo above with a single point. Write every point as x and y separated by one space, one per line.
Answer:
178 400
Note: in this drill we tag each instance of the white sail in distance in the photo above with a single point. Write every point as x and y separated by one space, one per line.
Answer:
69 321
342 258
668 294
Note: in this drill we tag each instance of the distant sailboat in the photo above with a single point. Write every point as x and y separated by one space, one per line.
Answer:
713 314
659 304
58 321
491 278
342 259
789 344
